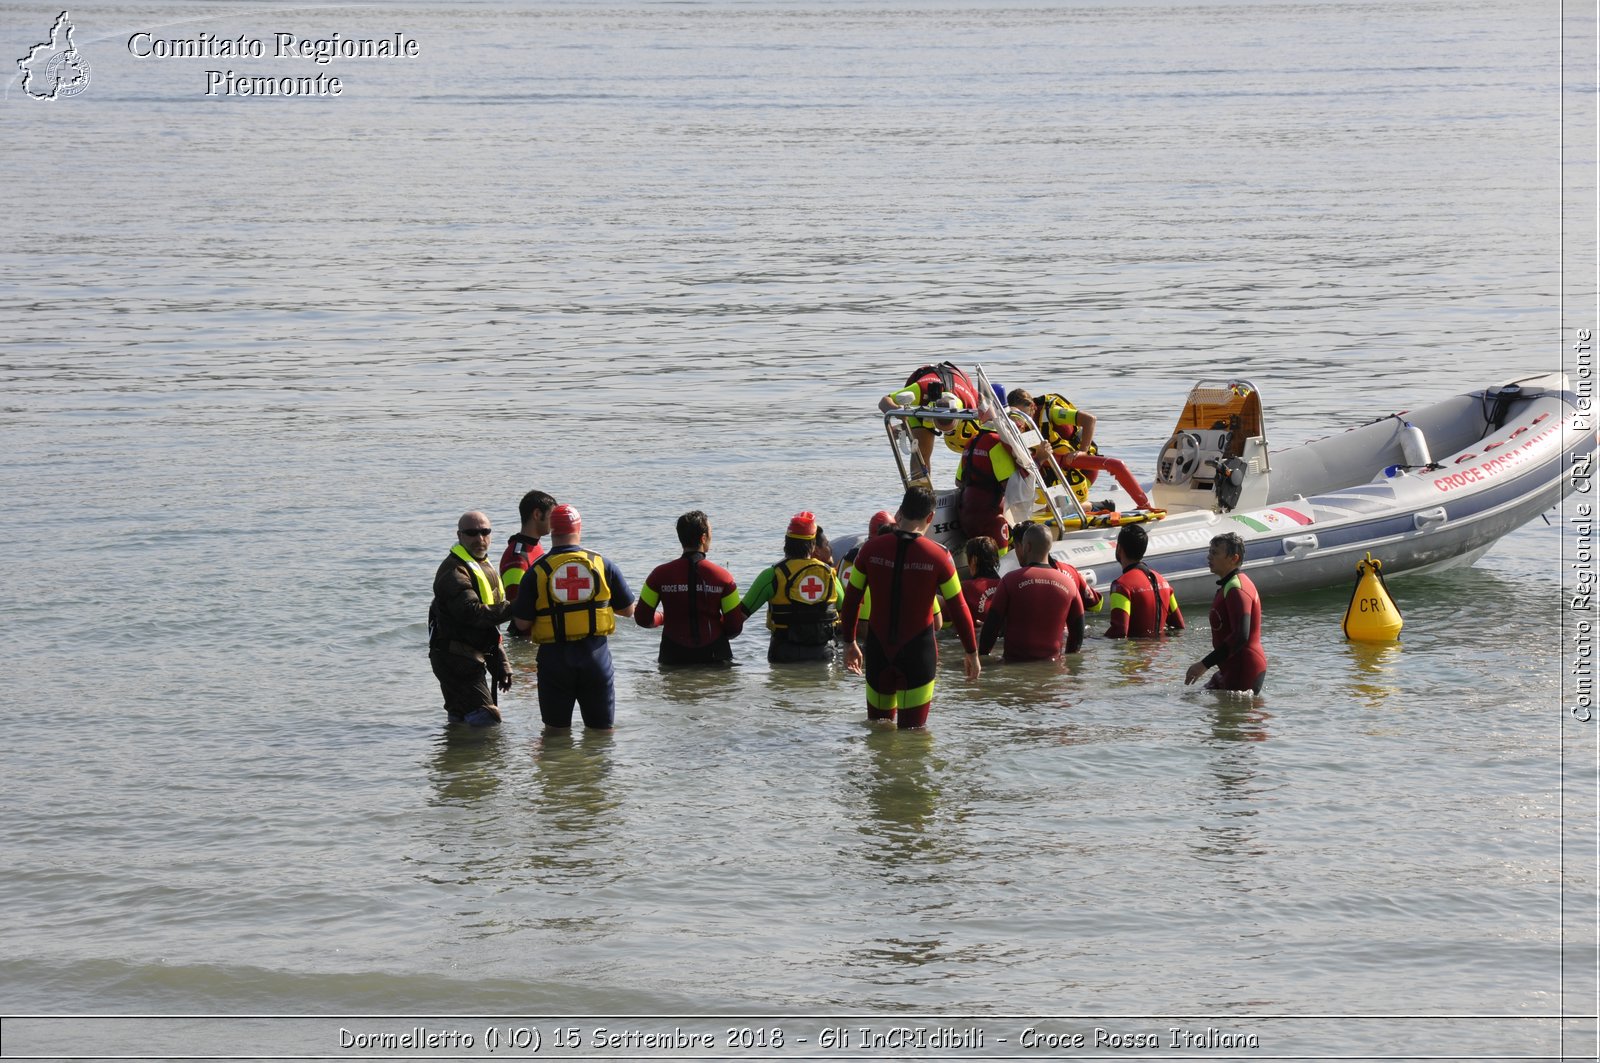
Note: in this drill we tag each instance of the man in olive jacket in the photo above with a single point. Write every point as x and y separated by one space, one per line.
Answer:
469 604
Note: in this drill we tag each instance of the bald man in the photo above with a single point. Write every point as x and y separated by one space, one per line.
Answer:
469 605
1037 606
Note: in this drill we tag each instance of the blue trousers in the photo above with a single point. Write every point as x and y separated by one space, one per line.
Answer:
577 673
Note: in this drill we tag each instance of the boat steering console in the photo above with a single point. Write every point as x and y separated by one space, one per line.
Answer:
1193 452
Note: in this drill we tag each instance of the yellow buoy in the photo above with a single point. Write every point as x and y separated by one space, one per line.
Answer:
1372 616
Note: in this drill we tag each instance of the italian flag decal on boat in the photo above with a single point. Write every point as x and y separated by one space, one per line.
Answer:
1273 519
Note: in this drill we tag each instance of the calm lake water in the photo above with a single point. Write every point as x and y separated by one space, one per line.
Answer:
653 257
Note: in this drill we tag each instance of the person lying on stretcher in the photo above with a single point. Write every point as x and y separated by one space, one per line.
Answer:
1068 434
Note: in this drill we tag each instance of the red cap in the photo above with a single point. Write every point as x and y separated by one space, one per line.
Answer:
802 526
564 520
880 520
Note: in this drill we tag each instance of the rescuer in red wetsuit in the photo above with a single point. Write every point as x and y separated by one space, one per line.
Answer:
1037 606
523 548
698 598
931 385
981 478
1091 597
1235 623
905 572
983 576
1142 603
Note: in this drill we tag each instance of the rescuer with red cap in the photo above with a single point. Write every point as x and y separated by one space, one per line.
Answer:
570 600
802 596
881 522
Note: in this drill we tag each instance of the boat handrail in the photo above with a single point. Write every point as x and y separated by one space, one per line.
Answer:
989 402
989 411
894 420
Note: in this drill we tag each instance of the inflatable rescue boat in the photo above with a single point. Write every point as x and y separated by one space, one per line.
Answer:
1421 490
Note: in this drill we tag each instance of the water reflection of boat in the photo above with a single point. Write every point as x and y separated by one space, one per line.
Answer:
1426 489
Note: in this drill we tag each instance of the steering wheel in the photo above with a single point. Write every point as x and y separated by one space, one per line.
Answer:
1182 468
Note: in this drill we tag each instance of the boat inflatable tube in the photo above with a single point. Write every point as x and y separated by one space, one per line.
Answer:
1372 616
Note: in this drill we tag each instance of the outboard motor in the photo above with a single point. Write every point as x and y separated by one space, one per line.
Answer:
1230 481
